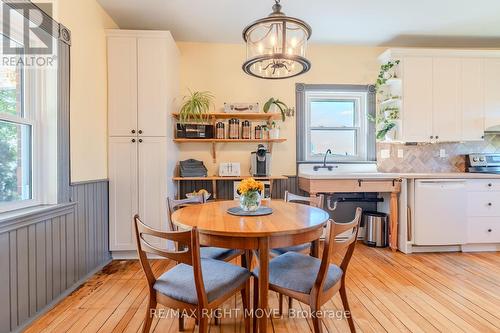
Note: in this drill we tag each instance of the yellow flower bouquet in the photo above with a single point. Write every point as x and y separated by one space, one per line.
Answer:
249 191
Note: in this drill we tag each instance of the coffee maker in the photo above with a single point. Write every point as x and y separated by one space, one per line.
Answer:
260 162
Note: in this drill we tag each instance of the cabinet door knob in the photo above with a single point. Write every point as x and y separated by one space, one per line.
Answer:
133 131
490 184
482 136
140 131
437 137
133 140
489 230
490 204
432 136
140 140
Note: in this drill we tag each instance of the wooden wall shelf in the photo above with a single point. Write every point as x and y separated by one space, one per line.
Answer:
215 141
229 140
246 116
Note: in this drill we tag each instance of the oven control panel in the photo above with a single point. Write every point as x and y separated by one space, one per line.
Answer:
483 160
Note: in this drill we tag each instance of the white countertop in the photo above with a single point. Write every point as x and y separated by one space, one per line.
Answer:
384 175
369 172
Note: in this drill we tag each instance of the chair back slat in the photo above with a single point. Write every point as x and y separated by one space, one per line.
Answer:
333 245
175 204
184 256
183 238
317 201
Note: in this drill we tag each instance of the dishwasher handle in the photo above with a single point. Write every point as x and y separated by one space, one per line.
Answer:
444 184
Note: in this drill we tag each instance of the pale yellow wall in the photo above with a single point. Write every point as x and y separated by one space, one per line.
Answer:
217 68
87 21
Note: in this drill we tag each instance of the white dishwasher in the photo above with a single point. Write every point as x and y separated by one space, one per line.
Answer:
440 212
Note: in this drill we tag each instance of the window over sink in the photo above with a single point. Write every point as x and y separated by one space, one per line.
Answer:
335 117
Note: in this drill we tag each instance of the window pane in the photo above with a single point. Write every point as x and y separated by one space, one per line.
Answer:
15 162
332 113
341 142
10 90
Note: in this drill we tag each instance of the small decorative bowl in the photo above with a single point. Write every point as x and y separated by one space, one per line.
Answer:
190 195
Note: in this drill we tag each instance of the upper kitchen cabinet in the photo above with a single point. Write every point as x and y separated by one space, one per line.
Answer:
416 123
142 75
446 95
472 99
492 93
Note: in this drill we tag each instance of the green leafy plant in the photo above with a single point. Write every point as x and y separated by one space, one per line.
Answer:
387 126
385 120
196 106
384 68
284 109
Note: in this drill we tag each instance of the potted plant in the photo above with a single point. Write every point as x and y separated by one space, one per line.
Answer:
195 106
250 194
282 107
274 130
386 121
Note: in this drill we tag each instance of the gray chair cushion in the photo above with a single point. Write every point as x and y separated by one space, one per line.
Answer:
217 253
296 248
298 272
219 277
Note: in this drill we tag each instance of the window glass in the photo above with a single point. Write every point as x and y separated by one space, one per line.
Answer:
10 90
332 113
15 164
340 142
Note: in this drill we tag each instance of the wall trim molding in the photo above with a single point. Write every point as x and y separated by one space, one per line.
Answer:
33 215
59 298
92 181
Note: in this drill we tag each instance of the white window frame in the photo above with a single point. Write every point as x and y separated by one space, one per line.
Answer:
360 122
40 113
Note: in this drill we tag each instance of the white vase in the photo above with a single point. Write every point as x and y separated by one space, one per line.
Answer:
274 133
390 136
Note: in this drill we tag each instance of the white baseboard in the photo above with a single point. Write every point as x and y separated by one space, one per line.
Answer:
480 247
437 248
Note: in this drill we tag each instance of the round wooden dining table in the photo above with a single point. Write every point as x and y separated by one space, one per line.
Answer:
289 224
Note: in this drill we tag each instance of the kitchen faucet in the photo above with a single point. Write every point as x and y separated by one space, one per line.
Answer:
324 166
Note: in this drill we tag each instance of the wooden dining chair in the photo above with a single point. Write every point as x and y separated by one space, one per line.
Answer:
314 281
209 252
195 285
311 201
317 202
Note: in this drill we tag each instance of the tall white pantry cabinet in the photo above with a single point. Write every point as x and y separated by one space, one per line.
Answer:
143 83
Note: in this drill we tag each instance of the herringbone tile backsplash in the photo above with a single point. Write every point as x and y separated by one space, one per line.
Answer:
425 157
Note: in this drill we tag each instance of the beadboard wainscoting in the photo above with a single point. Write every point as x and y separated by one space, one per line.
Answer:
46 255
225 187
426 157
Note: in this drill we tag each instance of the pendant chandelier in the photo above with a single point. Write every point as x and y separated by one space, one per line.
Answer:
276 46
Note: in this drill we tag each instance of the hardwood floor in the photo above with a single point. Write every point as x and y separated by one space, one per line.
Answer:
388 292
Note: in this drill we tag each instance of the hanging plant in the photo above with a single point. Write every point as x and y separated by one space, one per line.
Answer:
196 106
384 74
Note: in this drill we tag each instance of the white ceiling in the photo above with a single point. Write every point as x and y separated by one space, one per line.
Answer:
453 23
